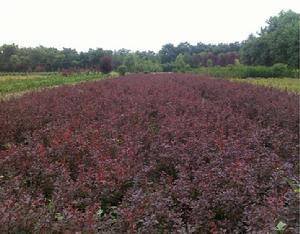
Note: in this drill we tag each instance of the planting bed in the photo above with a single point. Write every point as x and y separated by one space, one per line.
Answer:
164 153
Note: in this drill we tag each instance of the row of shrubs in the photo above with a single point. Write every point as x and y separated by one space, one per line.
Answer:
145 68
164 153
243 71
236 71
63 72
27 73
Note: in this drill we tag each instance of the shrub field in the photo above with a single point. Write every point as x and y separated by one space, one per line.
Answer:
156 153
286 84
19 83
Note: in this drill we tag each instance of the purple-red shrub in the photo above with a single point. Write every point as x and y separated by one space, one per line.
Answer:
164 153
106 64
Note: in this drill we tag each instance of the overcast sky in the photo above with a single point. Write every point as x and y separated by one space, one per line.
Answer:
133 24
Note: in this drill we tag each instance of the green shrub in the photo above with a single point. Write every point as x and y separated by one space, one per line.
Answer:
122 70
180 65
243 71
167 67
280 69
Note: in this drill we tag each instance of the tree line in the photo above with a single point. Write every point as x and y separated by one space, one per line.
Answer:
277 42
14 58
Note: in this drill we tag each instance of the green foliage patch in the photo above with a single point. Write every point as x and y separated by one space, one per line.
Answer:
13 85
243 71
288 84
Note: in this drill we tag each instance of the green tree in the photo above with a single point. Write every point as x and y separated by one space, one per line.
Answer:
180 65
131 63
167 53
14 61
278 42
210 63
6 52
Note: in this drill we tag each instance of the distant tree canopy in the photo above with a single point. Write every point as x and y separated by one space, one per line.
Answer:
278 42
13 58
197 55
16 59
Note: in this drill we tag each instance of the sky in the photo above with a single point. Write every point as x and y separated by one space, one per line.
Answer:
133 24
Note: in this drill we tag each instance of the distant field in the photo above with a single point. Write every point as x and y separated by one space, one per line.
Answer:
14 85
288 84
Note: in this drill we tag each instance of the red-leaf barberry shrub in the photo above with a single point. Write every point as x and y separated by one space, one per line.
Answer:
165 153
106 64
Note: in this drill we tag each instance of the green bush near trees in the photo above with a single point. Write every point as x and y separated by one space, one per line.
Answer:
122 70
180 65
244 71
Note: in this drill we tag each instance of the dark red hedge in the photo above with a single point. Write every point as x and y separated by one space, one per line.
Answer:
164 153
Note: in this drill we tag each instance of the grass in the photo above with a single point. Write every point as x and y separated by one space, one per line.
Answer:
13 85
287 84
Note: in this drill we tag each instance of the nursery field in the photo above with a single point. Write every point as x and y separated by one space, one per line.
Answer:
16 85
156 153
285 84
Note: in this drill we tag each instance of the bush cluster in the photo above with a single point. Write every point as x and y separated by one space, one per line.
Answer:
122 69
243 71
163 153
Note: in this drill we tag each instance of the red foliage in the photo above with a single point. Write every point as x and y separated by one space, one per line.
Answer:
67 72
149 154
40 68
106 64
221 59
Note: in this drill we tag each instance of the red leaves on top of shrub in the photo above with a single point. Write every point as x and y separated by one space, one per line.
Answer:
170 153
